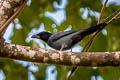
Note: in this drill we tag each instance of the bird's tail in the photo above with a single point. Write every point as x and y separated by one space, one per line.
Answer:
93 29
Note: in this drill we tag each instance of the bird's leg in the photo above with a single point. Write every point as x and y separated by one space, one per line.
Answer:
71 50
62 47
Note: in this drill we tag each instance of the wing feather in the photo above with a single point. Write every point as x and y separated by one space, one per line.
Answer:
62 34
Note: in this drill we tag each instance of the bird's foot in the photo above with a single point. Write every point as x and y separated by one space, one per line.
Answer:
71 50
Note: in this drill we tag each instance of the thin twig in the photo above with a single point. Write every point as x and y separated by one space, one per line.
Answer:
5 25
95 34
90 41
111 15
113 19
117 16
102 10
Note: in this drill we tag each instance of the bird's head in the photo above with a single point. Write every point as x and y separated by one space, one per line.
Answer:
43 36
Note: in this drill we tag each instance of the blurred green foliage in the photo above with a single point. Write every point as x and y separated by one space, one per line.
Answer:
34 14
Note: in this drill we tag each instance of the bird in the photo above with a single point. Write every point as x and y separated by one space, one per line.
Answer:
67 39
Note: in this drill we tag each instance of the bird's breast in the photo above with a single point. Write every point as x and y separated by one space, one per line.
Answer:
61 43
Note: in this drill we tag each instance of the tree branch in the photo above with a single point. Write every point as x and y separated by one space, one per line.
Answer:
9 12
25 53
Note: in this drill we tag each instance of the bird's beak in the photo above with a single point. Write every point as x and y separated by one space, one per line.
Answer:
35 36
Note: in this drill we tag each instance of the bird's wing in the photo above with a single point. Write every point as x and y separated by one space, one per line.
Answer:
62 34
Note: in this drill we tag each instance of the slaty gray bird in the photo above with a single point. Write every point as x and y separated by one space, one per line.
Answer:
68 39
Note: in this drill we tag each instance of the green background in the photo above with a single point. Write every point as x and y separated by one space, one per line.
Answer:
34 14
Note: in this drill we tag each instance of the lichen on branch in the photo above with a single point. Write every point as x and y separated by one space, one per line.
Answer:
56 57
7 9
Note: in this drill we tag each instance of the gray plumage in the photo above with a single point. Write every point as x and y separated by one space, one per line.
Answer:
66 40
